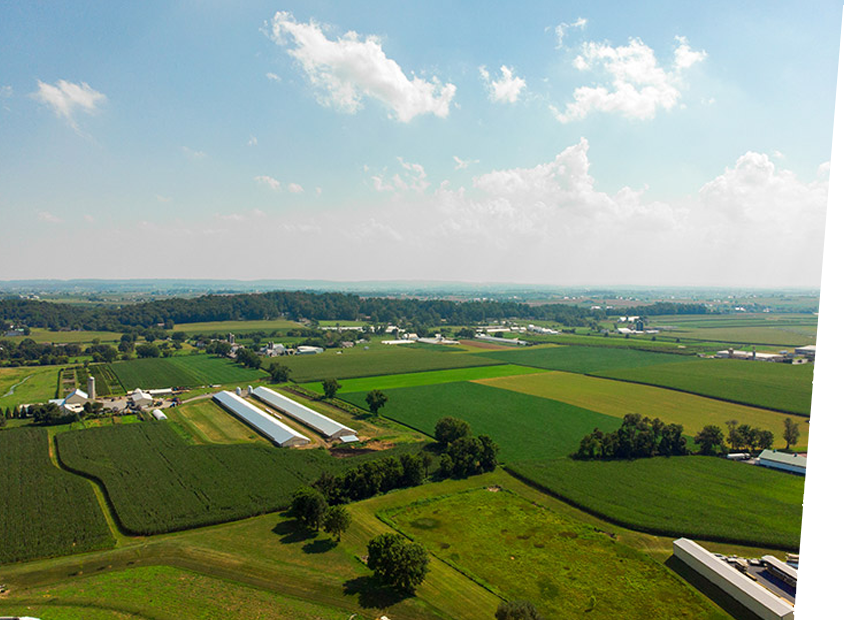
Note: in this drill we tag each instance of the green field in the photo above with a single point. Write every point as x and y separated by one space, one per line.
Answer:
783 387
207 422
107 383
433 377
43 511
618 398
379 359
525 427
65 337
157 483
567 569
27 385
182 371
693 496
236 327
583 359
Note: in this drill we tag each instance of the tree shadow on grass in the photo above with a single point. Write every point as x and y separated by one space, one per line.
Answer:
291 532
371 593
320 546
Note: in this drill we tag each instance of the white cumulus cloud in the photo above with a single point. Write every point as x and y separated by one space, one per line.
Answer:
505 89
49 218
269 181
66 99
295 188
461 164
561 29
638 86
351 68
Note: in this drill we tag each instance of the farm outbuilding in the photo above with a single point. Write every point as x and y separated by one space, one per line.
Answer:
158 414
784 461
740 587
273 429
140 398
76 397
320 423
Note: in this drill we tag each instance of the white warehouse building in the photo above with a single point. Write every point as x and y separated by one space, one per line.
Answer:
784 461
273 429
320 423
765 604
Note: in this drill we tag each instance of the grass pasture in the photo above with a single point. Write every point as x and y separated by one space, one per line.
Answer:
434 377
27 384
182 371
209 423
39 334
618 398
44 512
566 568
782 387
526 427
583 359
379 359
693 496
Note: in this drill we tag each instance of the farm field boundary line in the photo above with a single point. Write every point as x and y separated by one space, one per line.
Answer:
83 606
721 398
631 526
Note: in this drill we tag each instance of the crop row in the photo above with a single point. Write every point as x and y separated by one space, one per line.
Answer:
44 512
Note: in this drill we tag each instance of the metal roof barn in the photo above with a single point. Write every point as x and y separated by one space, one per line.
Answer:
274 430
158 414
750 594
320 423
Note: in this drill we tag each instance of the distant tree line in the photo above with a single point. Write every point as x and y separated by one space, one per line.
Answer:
665 307
165 313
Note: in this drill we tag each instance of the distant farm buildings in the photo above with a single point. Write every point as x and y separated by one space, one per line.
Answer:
274 350
269 426
734 582
783 461
800 355
807 351
499 340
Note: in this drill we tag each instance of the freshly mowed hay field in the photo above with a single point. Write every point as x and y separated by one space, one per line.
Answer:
162 592
158 483
782 387
39 334
379 359
566 568
526 427
433 377
583 359
27 384
182 371
693 496
235 327
207 422
618 398
44 512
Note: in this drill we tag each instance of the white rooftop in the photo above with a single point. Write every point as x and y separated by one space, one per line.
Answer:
278 432
317 421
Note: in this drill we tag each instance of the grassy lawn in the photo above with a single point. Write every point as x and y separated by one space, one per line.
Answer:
617 398
434 377
783 387
566 568
526 427
583 359
27 384
181 371
207 422
43 511
39 334
692 496
379 359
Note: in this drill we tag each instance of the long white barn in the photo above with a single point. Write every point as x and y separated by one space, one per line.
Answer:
275 430
320 423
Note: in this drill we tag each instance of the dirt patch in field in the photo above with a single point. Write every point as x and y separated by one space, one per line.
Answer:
341 452
485 345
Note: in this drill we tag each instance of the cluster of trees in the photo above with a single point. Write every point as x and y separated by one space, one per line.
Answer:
27 352
397 562
712 440
279 373
517 610
638 437
248 358
462 454
311 510
373 477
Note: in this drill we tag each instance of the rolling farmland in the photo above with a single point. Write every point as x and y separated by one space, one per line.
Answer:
693 496
44 512
27 384
566 568
783 387
618 398
235 327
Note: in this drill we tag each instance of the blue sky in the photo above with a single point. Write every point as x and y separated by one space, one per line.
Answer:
561 143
